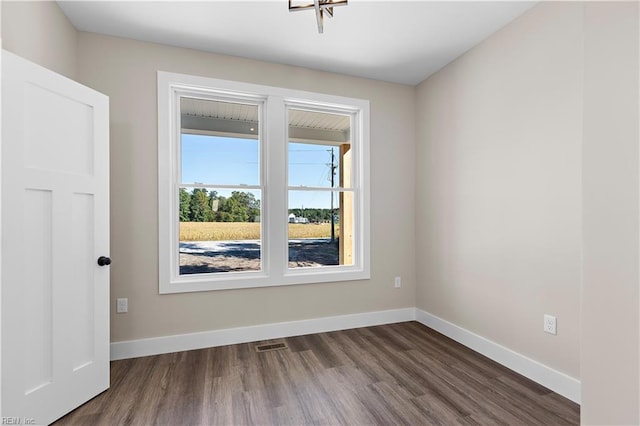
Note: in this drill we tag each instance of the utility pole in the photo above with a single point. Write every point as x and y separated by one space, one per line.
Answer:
332 176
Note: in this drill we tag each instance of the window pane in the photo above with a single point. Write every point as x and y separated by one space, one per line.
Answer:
317 144
320 228
219 143
311 165
220 230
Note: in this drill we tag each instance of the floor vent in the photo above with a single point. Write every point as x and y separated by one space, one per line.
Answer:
271 347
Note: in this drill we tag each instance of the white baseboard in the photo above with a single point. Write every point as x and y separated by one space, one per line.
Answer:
230 336
558 382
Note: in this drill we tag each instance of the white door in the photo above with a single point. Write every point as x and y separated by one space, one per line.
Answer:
55 225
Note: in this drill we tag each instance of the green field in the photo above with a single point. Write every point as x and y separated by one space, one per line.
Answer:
223 231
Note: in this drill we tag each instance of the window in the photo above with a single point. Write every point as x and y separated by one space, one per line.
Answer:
319 166
259 186
219 186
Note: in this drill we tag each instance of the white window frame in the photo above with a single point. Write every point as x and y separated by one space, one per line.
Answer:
273 182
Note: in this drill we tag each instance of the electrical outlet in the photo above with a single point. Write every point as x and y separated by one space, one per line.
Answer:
122 305
397 282
550 325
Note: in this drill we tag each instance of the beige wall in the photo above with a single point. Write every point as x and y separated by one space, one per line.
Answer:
40 32
527 196
125 70
610 293
498 187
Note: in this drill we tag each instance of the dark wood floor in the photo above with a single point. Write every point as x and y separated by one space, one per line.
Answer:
393 374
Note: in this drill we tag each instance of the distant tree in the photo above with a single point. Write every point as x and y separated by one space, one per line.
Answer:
240 207
224 217
248 202
254 212
185 202
237 208
199 207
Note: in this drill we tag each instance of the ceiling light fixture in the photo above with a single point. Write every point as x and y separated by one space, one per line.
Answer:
320 6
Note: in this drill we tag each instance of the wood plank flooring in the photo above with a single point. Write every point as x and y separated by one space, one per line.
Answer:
392 374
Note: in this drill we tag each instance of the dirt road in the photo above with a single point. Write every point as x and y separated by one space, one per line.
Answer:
203 257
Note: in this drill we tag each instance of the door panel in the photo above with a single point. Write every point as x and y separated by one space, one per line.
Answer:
82 243
63 119
37 311
55 224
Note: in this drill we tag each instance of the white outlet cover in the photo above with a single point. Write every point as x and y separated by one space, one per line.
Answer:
550 324
122 305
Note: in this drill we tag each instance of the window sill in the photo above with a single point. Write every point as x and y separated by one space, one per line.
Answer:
239 280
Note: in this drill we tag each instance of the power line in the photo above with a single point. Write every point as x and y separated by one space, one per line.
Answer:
307 164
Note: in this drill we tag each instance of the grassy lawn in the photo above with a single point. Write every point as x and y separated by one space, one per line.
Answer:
222 231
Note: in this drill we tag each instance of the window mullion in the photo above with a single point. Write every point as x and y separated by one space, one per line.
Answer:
275 181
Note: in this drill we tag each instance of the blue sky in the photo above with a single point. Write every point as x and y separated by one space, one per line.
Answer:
234 161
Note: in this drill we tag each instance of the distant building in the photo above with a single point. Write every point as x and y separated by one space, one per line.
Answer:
294 219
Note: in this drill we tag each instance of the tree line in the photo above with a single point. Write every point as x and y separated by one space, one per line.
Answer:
201 205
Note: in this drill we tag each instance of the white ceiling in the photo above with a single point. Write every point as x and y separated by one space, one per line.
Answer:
396 41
